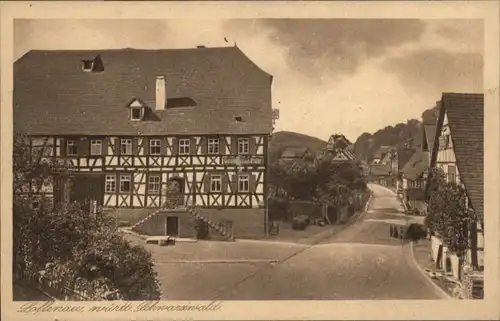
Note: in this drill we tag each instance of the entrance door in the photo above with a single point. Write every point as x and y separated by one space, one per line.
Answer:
172 225
87 188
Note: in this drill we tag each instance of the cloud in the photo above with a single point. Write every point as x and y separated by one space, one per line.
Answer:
331 48
433 71
87 34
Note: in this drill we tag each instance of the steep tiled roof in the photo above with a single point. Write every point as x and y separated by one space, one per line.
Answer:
430 133
404 155
380 169
466 120
294 152
417 164
52 95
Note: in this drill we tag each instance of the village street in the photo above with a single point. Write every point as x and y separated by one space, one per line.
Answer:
361 262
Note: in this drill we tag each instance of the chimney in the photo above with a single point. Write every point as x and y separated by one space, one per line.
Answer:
161 93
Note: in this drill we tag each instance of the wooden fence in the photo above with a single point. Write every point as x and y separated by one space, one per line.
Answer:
56 289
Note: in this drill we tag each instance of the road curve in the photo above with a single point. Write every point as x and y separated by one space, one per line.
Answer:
361 263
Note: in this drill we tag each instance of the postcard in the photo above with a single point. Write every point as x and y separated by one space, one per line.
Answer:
250 160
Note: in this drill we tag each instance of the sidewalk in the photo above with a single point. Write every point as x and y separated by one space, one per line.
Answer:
428 267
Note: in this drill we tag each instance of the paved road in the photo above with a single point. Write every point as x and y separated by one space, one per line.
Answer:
361 262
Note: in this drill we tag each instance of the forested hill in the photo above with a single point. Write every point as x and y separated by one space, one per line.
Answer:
398 135
282 140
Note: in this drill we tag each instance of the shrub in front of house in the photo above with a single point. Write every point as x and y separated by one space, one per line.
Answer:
300 222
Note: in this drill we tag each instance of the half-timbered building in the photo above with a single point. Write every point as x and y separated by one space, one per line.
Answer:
141 128
340 148
458 150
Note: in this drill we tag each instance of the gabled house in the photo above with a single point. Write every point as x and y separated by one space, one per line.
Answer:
381 174
415 172
341 148
384 155
292 154
458 151
142 128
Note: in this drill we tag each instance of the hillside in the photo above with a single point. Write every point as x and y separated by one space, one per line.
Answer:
284 139
399 135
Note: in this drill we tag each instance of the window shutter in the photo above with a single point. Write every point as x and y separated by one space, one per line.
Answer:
164 147
222 146
145 144
192 146
225 183
234 145
204 145
206 183
83 146
135 146
104 146
234 183
175 142
252 183
63 147
252 148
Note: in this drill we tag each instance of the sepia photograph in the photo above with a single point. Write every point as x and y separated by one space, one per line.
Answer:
228 159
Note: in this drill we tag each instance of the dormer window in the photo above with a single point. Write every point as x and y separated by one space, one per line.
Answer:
136 113
87 65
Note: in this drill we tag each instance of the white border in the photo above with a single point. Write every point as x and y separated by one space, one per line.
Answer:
317 310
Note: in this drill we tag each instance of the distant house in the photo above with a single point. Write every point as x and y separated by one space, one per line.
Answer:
295 153
341 148
414 173
403 155
381 174
458 151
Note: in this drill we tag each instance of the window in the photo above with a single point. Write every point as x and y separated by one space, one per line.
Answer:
125 183
154 184
95 147
243 183
87 65
110 183
72 148
35 205
215 183
184 146
452 174
213 146
243 145
126 146
155 147
135 113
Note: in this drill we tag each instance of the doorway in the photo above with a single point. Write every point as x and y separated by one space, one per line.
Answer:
86 188
175 192
172 225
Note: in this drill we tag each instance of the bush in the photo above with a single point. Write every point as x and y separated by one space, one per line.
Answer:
83 247
300 222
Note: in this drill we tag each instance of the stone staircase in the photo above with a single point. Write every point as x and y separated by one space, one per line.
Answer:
225 230
221 228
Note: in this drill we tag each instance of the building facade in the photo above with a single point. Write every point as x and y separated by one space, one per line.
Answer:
142 128
458 151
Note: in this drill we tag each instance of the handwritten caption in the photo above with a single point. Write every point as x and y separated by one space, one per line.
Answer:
144 306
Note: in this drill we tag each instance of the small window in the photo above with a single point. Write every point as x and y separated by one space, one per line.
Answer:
110 183
125 183
154 184
215 184
213 146
87 65
126 146
243 183
136 113
243 145
72 148
184 145
95 147
154 147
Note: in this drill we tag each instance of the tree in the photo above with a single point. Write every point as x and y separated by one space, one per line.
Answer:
79 247
448 214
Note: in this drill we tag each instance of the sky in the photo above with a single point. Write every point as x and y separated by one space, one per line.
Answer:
330 76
